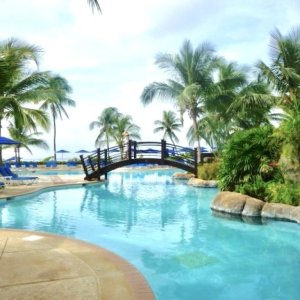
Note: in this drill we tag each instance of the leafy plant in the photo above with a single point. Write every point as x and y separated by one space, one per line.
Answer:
208 171
257 189
287 193
244 155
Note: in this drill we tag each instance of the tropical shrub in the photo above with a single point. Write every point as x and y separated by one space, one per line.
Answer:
245 156
287 193
208 171
257 189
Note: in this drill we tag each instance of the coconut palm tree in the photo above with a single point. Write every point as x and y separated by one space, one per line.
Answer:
20 86
169 124
94 5
283 73
191 77
105 122
123 130
26 138
55 98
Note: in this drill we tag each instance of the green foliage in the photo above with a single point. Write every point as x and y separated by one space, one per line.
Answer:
289 131
208 171
256 189
287 193
244 156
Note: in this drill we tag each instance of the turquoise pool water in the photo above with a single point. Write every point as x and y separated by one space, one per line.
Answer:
167 230
37 172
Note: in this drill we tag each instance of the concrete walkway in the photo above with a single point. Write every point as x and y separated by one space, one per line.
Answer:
35 265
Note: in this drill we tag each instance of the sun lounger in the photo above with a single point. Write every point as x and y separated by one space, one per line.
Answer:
51 164
15 179
2 185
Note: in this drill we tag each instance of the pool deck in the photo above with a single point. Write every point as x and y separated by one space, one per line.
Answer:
38 265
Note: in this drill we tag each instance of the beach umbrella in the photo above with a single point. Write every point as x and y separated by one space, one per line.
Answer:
7 141
62 151
82 151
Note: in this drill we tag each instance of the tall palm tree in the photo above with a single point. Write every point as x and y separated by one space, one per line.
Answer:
284 75
284 71
55 98
20 86
94 4
192 76
169 124
124 124
105 122
26 138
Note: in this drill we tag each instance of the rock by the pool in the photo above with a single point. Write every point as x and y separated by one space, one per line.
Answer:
197 182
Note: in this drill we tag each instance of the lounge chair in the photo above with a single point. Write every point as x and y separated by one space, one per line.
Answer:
71 163
51 164
15 179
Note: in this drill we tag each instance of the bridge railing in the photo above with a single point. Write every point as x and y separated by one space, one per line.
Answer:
138 150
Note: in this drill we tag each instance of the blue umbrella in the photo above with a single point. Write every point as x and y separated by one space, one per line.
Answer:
7 141
62 151
82 151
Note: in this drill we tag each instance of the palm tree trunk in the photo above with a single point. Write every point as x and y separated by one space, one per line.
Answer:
107 141
54 137
197 139
1 159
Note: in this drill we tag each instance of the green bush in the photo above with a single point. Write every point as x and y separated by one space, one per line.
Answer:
245 155
257 189
208 171
286 193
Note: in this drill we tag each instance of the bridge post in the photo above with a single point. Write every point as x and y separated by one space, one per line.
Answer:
91 163
129 149
84 166
134 149
163 150
105 162
98 158
196 162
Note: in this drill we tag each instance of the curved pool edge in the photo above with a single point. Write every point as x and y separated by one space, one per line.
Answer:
12 191
62 267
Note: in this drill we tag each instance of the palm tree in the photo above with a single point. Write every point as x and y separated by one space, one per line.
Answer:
94 5
26 138
55 98
20 86
284 75
169 124
105 122
284 70
192 75
124 129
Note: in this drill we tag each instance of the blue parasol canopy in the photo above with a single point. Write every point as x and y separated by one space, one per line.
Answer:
7 141
62 151
82 151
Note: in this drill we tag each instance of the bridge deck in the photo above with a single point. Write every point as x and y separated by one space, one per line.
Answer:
161 153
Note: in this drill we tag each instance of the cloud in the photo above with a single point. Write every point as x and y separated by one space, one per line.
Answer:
109 58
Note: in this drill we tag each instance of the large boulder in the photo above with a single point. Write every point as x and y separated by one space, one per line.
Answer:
183 176
239 204
253 207
197 182
278 211
295 214
229 202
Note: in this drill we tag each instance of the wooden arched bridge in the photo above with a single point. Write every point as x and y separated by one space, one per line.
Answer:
160 153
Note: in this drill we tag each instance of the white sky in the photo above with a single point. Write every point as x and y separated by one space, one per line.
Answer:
108 58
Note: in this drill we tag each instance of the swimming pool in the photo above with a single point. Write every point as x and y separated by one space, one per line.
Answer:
166 229
37 172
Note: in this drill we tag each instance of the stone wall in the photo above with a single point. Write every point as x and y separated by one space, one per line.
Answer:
239 204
